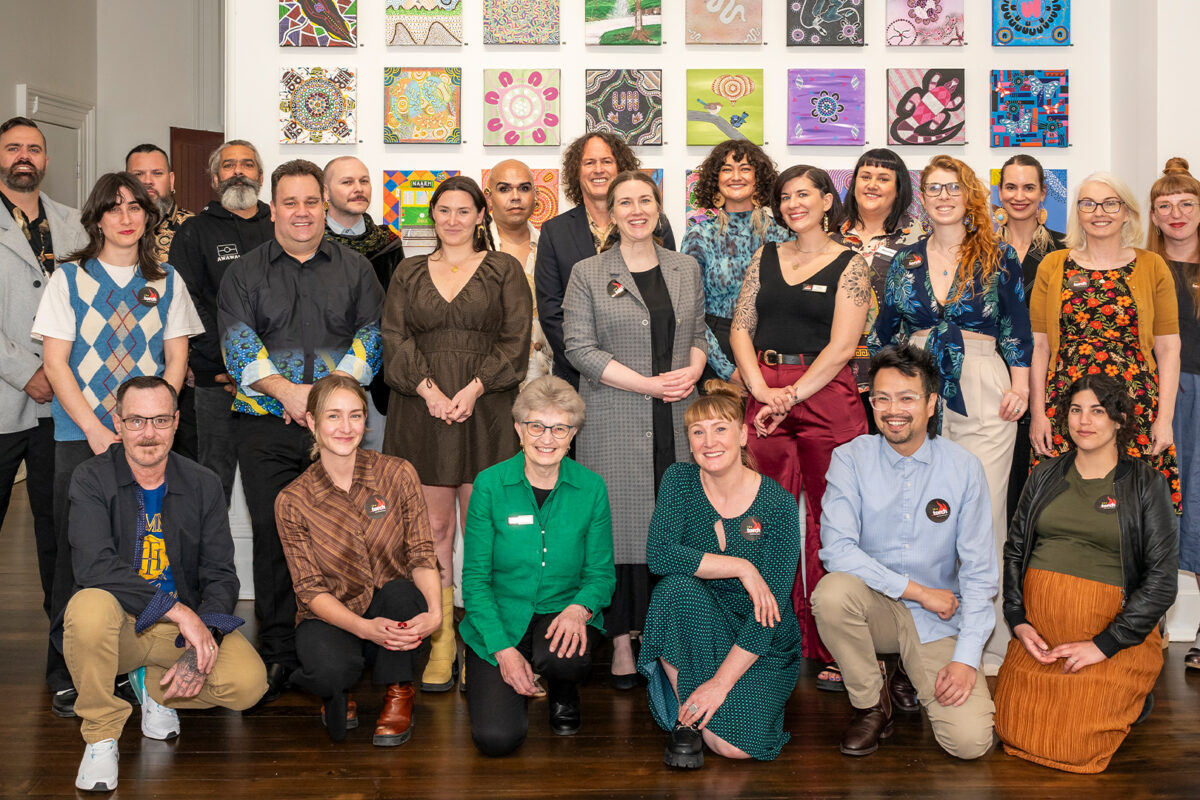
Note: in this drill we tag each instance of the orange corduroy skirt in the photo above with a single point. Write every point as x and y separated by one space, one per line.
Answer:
1073 722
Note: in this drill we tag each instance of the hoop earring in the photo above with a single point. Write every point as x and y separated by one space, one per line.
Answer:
969 223
1042 215
1000 216
719 201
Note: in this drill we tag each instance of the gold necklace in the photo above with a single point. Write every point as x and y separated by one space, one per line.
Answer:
798 263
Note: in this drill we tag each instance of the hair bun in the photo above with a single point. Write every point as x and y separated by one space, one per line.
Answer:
1176 164
716 386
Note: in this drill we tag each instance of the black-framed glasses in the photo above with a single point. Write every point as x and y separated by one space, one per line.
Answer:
905 402
934 189
137 423
1111 206
558 431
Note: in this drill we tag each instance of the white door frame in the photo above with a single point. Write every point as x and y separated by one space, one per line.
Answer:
43 106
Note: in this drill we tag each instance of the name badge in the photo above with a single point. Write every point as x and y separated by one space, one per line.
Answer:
885 253
819 288
521 519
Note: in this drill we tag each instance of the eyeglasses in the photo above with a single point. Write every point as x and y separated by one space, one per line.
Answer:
536 429
1111 206
137 423
905 402
934 189
1184 207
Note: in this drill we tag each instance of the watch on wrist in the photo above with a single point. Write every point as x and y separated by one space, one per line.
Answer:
218 637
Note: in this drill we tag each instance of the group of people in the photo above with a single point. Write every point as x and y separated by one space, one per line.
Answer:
377 404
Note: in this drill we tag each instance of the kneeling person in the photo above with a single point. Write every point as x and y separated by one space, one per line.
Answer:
155 585
356 536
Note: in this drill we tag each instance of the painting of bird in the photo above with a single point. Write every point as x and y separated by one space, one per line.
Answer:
712 108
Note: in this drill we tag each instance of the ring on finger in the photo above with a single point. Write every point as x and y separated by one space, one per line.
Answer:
695 709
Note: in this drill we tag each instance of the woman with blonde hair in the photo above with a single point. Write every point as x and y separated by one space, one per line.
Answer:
959 294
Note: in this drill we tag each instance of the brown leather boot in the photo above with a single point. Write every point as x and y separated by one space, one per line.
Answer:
395 721
904 694
868 726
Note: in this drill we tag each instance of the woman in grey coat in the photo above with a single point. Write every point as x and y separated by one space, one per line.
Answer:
633 325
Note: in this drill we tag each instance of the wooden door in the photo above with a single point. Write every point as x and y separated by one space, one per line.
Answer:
190 150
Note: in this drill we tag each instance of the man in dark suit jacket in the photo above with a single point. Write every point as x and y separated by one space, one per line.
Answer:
589 165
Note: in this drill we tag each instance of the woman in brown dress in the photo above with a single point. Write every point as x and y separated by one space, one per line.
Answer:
456 329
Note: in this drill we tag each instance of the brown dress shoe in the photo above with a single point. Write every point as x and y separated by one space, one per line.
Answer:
868 726
904 694
395 721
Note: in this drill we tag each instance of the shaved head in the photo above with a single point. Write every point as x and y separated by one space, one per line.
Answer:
347 190
510 193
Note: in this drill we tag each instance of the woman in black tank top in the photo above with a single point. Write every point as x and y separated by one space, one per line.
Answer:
797 323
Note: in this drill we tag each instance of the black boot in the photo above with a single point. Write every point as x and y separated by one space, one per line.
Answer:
686 748
564 707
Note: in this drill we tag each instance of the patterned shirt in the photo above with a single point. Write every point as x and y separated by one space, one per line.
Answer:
348 544
164 234
37 233
997 310
723 251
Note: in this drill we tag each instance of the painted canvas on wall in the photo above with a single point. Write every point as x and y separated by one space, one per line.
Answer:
317 105
692 212
842 178
422 22
837 23
1029 108
1038 23
406 196
724 104
724 21
545 194
922 23
827 106
318 23
421 104
627 102
1056 199
520 107
622 22
520 21
926 106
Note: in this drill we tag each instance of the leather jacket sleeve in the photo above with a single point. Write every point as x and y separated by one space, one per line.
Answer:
1020 542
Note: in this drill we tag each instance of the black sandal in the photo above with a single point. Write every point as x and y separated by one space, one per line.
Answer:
1192 659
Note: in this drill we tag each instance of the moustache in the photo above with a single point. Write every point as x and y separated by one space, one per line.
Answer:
240 181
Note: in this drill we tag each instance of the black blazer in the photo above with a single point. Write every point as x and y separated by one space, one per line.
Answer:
1149 547
562 243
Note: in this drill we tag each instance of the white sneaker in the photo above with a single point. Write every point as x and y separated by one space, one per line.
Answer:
158 721
98 770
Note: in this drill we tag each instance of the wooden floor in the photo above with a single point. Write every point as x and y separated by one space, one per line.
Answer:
280 751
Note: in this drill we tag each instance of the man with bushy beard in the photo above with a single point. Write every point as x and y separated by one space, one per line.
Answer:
203 248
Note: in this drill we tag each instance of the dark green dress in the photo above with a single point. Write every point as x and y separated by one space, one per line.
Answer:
694 623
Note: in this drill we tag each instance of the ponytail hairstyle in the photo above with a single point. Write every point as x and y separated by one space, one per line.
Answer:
721 400
980 243
1176 179
1041 237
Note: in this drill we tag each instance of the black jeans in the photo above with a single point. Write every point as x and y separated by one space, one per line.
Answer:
185 435
216 442
332 660
500 716
271 455
67 456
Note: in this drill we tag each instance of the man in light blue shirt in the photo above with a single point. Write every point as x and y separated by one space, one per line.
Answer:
906 537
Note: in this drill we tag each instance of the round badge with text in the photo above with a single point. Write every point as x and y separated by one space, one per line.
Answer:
1106 504
376 506
1078 282
148 296
752 529
938 510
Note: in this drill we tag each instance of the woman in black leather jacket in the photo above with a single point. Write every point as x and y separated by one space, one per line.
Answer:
1089 569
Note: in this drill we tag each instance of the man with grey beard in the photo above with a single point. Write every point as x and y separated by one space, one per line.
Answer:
203 248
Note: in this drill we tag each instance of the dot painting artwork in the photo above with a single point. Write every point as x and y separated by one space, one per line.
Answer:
926 106
520 21
317 105
626 102
826 106
724 104
1056 198
1041 23
545 194
622 22
918 23
318 23
520 107
423 22
1029 108
825 22
724 21
421 104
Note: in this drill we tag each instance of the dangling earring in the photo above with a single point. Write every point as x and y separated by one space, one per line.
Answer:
926 226
1042 215
719 201
754 202
1000 216
969 223
825 222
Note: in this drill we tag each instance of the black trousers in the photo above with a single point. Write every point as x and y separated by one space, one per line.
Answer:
67 456
500 716
185 435
271 454
332 660
1019 473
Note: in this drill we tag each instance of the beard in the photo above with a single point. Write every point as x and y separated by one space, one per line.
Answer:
238 193
164 205
23 181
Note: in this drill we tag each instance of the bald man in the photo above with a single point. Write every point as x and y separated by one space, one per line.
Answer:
347 190
510 197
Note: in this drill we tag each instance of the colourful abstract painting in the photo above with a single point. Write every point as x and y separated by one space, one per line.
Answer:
318 23
926 106
1056 198
545 194
1029 108
1039 23
827 106
520 21
656 175
920 23
836 23
692 212
622 22
317 105
724 104
843 177
406 196
627 102
423 22
421 104
724 21
520 106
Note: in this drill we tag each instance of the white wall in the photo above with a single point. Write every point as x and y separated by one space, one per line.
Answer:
50 44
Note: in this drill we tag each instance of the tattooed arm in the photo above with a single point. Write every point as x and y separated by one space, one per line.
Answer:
184 678
741 333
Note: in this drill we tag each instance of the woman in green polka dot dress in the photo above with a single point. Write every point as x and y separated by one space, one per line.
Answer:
721 646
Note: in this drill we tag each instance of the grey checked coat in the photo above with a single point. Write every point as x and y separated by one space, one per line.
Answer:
616 440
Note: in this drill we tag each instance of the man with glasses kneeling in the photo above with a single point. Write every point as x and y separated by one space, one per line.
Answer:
155 585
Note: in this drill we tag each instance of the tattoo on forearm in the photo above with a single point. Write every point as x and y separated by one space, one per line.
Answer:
856 282
188 677
745 313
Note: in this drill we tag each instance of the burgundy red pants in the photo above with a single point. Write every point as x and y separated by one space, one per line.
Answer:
797 455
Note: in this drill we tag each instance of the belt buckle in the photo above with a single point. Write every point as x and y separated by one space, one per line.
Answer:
771 358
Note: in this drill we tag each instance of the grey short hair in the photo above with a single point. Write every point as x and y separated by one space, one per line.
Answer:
214 159
549 392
